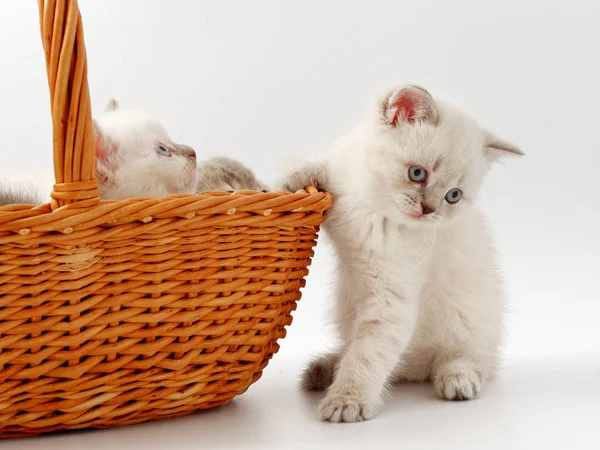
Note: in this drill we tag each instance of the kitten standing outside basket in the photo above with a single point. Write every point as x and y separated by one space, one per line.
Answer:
418 295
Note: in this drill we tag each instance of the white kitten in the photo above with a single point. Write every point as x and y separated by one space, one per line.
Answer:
418 295
135 157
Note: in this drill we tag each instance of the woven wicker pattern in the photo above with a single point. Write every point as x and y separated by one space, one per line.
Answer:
114 313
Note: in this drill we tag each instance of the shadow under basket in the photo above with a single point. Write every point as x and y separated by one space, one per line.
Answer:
114 313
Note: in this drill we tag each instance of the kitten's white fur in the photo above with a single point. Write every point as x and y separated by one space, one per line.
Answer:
225 174
418 296
128 162
23 189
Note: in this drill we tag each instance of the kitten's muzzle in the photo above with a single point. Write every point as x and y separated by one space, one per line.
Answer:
185 150
425 209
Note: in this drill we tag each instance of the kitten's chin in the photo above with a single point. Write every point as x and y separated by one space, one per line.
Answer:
188 181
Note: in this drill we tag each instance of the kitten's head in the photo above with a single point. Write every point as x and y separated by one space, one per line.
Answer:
135 157
426 159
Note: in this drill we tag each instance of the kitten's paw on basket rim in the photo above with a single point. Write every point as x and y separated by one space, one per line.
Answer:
309 175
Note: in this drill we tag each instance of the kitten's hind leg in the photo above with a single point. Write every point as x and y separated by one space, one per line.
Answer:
320 372
311 174
458 379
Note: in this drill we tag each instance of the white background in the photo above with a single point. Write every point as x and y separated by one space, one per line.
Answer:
266 80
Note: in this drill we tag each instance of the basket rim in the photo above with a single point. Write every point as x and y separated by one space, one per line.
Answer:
24 219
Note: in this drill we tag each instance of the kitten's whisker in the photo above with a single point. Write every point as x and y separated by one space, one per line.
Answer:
428 238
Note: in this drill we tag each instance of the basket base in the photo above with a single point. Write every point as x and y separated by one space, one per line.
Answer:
151 416
136 412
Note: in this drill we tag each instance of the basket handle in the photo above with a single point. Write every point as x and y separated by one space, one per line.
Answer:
73 137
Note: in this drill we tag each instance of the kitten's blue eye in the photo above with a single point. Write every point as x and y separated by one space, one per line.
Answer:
163 151
453 195
417 174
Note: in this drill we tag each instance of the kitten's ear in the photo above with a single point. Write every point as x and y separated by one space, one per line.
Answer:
112 105
105 150
409 104
496 148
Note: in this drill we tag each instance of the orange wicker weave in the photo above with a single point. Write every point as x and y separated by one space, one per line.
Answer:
114 313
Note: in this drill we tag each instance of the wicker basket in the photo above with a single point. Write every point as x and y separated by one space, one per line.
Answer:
114 313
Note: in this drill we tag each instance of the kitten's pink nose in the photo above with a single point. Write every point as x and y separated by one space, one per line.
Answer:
427 209
186 150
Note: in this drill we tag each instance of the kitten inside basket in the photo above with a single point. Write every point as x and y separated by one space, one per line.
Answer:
135 157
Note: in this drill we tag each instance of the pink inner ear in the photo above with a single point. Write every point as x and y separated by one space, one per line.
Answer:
105 152
405 107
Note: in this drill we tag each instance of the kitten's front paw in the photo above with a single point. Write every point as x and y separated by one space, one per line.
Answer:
345 408
310 175
457 385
